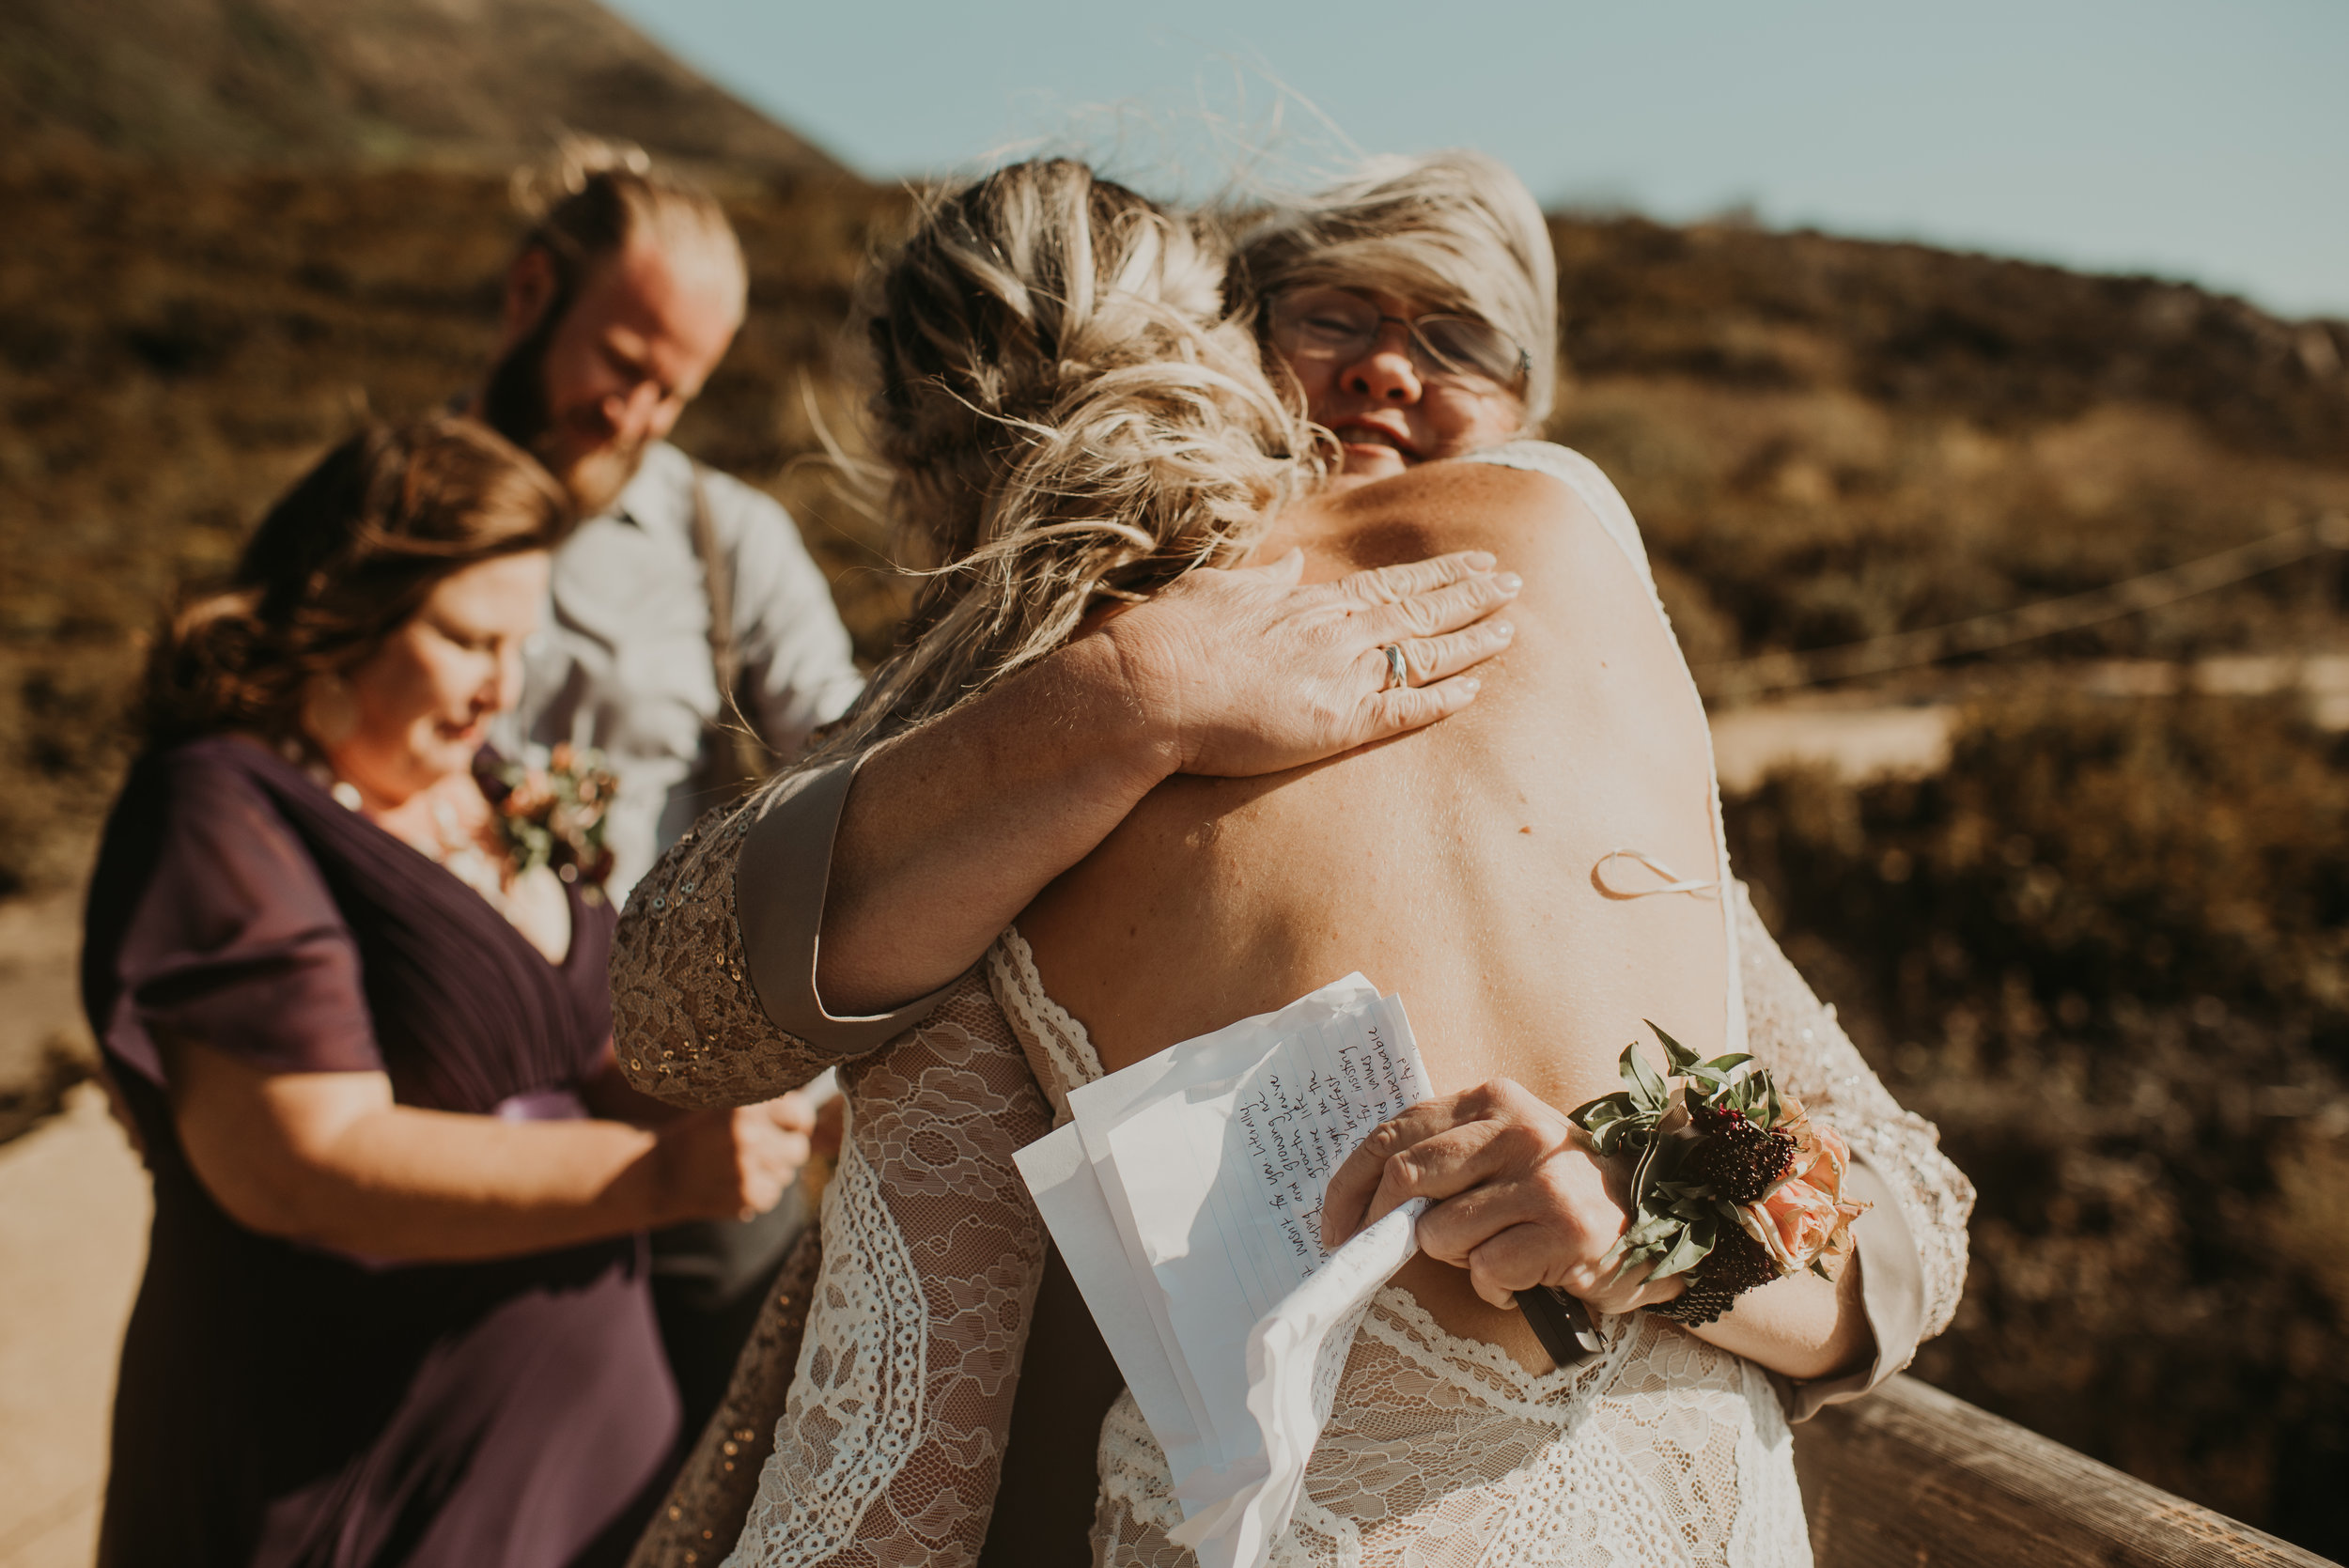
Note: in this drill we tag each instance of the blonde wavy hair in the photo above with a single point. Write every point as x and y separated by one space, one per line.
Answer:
1072 413
1456 231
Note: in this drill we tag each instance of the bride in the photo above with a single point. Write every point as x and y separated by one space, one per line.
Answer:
1076 422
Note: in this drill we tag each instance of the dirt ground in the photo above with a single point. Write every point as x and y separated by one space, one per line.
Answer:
73 1211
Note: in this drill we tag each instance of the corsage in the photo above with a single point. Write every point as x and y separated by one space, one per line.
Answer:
1734 1187
552 813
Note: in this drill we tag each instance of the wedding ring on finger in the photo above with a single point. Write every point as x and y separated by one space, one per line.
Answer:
1398 669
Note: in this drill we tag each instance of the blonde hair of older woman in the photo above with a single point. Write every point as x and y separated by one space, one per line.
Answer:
1070 413
1456 231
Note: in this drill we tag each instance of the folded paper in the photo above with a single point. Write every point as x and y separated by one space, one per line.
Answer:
1186 1198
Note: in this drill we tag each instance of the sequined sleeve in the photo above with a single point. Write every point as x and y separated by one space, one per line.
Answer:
698 1522
687 1024
713 967
1912 1241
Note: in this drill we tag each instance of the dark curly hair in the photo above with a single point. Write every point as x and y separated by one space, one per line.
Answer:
344 560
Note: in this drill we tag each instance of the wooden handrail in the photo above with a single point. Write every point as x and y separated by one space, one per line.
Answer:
1916 1477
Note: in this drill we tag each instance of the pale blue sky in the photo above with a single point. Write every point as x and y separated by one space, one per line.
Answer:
2195 139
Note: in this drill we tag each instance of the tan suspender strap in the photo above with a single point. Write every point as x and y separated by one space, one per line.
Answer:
734 754
718 582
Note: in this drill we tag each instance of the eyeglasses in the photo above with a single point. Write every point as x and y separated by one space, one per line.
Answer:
1338 325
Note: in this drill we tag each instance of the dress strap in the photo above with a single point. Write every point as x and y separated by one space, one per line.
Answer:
1059 1050
1673 881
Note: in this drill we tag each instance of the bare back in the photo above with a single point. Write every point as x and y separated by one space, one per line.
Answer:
1454 866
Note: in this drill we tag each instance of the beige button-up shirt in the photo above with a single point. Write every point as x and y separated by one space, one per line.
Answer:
622 661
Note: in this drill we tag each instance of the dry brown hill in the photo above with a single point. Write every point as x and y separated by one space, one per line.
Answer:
1824 439
1827 440
210 82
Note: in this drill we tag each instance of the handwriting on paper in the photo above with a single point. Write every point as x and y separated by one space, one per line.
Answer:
1300 1119
1187 1195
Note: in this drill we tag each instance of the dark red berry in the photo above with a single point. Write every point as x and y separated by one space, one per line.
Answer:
1736 1158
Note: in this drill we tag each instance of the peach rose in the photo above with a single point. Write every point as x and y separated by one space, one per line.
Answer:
1805 1219
1839 1248
1795 1220
1825 1162
530 797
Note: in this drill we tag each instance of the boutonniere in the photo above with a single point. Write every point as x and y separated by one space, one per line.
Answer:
1734 1185
552 813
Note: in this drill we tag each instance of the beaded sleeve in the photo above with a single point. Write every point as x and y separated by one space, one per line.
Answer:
1912 1247
687 1025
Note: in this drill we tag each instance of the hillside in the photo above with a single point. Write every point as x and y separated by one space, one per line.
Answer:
1827 440
1824 439
207 82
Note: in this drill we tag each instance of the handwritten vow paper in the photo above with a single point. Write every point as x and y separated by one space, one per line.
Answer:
1185 1198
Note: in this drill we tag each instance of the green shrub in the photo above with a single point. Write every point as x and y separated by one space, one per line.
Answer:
2104 951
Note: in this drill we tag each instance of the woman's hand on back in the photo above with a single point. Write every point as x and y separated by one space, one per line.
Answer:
1519 1201
952 828
1250 671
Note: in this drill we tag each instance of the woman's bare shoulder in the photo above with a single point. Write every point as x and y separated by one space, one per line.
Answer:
1586 595
1530 521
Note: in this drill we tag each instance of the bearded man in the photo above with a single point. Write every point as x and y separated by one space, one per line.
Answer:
619 304
684 605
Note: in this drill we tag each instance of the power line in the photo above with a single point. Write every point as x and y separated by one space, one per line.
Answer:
1908 650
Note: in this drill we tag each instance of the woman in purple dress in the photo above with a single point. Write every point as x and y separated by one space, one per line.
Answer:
396 1307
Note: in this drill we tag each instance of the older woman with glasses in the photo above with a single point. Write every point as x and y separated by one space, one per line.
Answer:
1401 310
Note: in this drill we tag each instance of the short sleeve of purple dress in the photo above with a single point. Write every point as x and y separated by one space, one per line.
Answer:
281 1405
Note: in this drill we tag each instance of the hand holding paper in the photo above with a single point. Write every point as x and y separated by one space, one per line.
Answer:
1185 1198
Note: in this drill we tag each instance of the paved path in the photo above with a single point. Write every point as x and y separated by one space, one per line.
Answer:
73 1211
40 1008
1856 742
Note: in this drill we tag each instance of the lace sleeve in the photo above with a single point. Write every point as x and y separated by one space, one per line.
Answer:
1924 1197
892 1438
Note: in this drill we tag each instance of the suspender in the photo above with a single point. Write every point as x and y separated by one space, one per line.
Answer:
725 657
733 755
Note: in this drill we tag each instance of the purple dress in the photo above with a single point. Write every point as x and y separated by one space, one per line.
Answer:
283 1404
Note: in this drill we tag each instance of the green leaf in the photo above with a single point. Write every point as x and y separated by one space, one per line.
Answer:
1654 1228
1593 1115
1680 1057
1694 1246
1647 1090
1729 1063
1640 1174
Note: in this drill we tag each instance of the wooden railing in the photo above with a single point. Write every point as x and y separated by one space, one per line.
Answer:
1913 1477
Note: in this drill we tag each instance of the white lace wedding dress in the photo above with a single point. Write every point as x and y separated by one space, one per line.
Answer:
1662 1450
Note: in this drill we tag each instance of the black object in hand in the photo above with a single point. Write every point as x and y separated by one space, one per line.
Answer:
1562 1322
